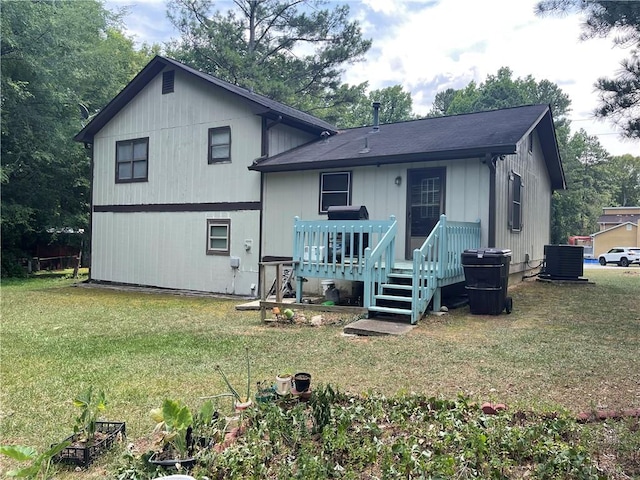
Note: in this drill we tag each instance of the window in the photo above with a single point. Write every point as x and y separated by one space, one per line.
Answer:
515 202
220 144
218 236
132 158
168 81
530 142
335 190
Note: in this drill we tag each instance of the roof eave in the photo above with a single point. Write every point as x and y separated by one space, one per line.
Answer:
387 159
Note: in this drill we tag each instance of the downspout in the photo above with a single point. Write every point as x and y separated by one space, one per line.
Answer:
89 146
491 160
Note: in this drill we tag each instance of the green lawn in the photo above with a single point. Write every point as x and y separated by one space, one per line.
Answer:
564 347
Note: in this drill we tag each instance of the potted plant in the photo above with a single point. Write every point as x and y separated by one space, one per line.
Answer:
241 402
173 439
91 436
265 392
179 434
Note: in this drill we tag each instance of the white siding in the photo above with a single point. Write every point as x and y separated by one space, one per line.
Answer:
169 250
177 126
283 138
536 205
291 194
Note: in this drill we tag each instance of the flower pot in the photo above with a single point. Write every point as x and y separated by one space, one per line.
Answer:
283 384
301 382
265 395
241 406
171 463
83 454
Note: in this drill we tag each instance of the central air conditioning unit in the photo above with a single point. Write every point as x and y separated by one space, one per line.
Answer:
563 262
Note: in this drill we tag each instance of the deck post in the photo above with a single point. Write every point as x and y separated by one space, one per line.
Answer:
368 273
437 299
442 248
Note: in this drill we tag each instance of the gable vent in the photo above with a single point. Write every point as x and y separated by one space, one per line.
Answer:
168 81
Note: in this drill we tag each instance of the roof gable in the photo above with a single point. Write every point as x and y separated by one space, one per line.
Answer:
263 105
471 135
615 227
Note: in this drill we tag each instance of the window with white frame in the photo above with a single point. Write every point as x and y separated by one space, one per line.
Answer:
335 190
515 202
219 144
218 236
132 158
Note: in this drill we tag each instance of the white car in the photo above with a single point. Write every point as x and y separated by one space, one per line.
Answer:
623 256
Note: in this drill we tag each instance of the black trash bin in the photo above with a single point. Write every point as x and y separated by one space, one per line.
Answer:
486 273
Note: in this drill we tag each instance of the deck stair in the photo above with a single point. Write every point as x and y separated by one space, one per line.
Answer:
395 298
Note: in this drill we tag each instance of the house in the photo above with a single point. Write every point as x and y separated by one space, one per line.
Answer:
432 187
614 216
197 182
173 202
618 227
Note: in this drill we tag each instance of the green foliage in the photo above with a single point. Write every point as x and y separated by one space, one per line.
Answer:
173 423
239 398
91 406
54 58
503 91
395 106
40 467
290 51
406 436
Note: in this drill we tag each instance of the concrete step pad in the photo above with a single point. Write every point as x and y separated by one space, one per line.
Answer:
371 327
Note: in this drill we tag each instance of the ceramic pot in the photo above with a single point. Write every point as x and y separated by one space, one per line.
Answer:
283 384
240 406
301 381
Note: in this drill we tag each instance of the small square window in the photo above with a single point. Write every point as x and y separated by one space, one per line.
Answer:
218 236
132 157
220 144
335 190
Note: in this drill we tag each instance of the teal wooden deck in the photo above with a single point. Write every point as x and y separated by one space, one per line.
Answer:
365 250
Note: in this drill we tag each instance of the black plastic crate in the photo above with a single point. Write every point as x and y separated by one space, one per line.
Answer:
84 455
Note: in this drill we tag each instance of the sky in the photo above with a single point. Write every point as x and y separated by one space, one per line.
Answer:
429 46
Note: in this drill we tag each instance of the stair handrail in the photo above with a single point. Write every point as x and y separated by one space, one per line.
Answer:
372 257
425 270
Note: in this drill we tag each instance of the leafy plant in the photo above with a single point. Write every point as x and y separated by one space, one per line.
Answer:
40 467
173 426
239 398
91 406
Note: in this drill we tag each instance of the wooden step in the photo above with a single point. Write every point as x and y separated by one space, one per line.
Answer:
393 298
395 311
395 286
406 276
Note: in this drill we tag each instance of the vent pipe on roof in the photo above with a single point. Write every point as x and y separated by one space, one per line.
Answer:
376 116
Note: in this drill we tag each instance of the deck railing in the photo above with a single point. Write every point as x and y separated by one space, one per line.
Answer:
335 248
440 258
377 262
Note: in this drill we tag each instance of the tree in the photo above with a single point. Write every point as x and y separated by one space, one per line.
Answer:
292 51
622 174
619 96
575 211
395 106
54 58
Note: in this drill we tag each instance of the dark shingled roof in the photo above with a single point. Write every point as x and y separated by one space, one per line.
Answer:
265 106
441 138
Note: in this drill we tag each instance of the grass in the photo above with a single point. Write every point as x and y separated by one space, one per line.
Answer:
564 347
